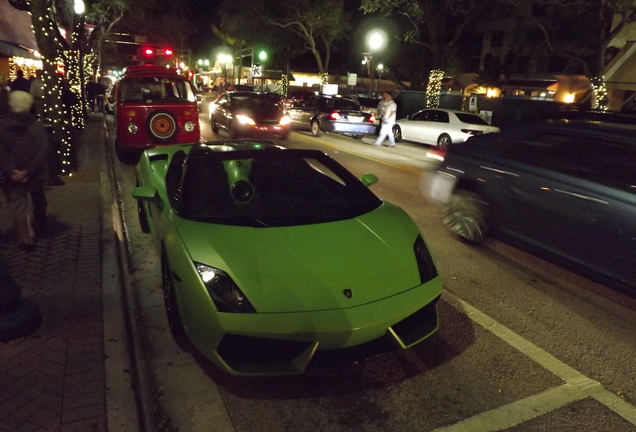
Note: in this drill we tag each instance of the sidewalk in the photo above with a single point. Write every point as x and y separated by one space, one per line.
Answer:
54 379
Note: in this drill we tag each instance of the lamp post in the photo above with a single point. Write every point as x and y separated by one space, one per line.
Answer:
367 62
79 9
225 59
375 41
262 56
380 69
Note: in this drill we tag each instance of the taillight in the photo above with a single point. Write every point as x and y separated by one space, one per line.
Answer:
372 118
334 116
472 131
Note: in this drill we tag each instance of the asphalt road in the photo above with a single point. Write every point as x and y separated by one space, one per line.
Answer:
524 345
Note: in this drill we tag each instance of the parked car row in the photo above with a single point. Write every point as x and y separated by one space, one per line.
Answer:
564 189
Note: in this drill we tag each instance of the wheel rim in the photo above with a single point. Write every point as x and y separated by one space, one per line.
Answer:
397 134
444 142
465 217
314 129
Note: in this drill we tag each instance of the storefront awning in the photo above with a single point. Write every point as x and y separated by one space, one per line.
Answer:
15 50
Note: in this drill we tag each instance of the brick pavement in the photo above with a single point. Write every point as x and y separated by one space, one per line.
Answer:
54 379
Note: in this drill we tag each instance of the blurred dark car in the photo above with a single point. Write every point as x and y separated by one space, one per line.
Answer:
565 191
240 87
367 103
249 114
294 97
578 115
332 113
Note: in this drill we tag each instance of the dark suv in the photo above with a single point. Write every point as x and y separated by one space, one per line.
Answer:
563 190
327 113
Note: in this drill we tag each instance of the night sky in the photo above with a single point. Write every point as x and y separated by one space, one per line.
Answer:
204 14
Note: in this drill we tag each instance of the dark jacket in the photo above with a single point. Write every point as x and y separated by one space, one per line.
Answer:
24 145
4 101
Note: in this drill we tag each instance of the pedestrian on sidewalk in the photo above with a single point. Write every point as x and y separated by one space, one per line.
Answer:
100 94
23 164
20 83
90 94
37 91
4 94
389 114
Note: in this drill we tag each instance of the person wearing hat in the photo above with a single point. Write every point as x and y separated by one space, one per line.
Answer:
23 168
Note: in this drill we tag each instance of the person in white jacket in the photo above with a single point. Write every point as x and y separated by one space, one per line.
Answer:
389 114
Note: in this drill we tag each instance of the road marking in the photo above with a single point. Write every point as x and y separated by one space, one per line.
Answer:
577 386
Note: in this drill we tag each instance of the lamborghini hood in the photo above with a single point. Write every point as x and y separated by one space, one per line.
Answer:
315 267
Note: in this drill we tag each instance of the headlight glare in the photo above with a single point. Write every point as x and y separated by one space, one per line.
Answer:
285 120
188 126
225 294
245 119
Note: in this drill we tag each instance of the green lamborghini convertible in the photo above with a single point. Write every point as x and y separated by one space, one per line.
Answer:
270 254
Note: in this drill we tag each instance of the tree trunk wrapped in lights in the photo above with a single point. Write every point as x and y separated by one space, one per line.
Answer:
56 113
434 88
601 99
285 81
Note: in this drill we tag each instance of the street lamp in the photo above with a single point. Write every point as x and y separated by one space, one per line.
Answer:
225 59
79 7
376 40
262 56
380 69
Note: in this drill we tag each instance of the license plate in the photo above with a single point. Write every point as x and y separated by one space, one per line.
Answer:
355 119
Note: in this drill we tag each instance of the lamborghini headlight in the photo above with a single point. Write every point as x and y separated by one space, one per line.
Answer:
245 119
425 263
226 295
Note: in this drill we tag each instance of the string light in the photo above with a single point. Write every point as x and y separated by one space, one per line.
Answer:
601 98
285 81
55 114
434 88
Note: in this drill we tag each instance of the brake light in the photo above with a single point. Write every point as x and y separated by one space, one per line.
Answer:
372 118
472 131
334 116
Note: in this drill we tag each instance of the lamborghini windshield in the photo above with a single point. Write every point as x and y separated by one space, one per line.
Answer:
271 188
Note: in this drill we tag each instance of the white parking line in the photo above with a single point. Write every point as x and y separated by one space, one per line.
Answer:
577 386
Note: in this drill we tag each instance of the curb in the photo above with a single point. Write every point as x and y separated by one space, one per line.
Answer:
125 411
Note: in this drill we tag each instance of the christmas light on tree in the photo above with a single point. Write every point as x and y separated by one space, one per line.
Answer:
601 97
434 88
285 81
